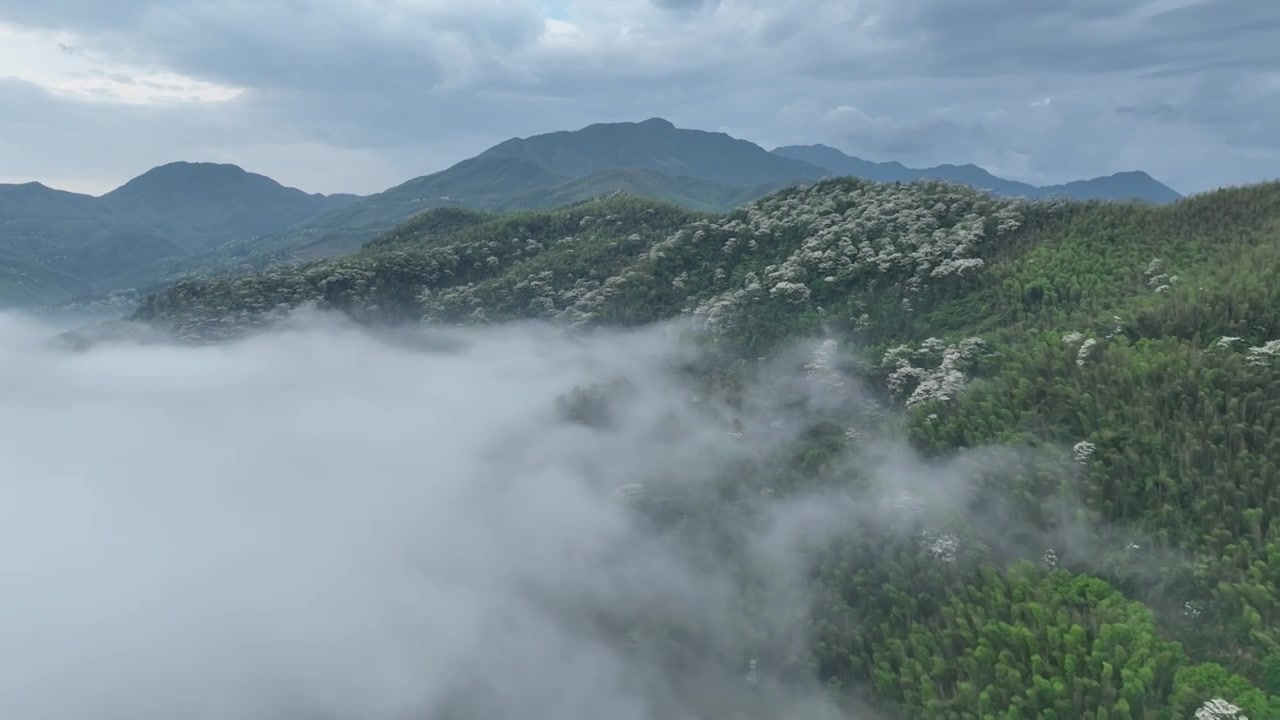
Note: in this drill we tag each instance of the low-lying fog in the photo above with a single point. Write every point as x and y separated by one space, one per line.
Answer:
322 523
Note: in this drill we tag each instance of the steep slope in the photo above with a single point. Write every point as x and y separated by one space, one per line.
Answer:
1112 557
1120 186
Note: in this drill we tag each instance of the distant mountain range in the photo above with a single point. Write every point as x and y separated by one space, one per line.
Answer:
1135 185
180 217
56 244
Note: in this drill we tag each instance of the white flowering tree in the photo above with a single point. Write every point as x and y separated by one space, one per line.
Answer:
933 371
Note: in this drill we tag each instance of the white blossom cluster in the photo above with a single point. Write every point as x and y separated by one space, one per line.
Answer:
823 369
902 503
660 248
914 234
906 236
1083 450
867 229
1262 354
1156 279
942 382
942 546
718 314
1219 709
852 436
1050 558
1086 345
1085 348
1257 356
1118 327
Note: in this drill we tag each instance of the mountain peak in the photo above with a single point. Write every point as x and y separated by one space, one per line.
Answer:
184 167
655 144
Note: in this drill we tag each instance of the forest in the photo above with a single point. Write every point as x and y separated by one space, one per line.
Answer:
1117 562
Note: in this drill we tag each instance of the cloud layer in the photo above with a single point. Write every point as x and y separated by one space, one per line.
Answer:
325 523
361 94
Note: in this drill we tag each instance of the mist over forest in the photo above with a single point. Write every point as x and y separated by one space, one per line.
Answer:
325 522
639 360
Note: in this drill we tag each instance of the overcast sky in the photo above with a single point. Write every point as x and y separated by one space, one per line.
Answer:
358 95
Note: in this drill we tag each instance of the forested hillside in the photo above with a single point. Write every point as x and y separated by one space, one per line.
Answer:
1107 374
57 245
187 218
696 169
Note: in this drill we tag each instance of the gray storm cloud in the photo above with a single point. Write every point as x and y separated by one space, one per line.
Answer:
326 523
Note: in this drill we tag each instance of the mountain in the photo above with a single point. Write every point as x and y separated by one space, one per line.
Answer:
694 168
56 244
1134 185
53 243
202 205
186 218
658 145
1060 421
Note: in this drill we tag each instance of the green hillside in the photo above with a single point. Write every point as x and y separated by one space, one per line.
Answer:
1117 561
165 220
696 169
692 168
186 218
24 284
693 193
203 205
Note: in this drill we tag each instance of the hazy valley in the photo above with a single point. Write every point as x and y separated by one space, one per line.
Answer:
639 422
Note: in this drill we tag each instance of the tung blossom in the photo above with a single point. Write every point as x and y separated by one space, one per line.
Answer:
1262 354
943 382
1085 348
822 369
942 546
1219 709
793 291
1083 450
903 502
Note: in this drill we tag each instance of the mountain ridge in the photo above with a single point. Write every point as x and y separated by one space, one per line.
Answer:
190 216
554 165
121 237
1123 185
